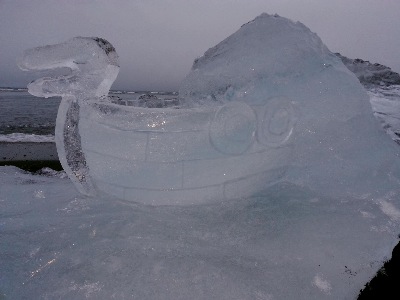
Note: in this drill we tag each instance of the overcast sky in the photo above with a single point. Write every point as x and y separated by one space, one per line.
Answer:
157 40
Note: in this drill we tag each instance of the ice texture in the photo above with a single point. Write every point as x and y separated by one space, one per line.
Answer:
92 66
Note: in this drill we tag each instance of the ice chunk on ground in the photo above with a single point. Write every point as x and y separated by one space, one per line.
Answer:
93 67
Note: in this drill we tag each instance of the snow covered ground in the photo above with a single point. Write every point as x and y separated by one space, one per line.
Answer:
284 243
385 101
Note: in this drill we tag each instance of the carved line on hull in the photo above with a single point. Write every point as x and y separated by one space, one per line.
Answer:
231 189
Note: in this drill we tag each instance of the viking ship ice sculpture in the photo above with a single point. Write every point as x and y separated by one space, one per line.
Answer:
268 103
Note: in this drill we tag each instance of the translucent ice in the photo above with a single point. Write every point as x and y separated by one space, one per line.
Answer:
92 63
93 67
269 103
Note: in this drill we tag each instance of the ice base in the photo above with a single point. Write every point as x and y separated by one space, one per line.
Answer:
286 242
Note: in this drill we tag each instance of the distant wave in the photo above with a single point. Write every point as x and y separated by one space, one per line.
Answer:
26 138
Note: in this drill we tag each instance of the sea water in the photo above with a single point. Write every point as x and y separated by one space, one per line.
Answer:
22 114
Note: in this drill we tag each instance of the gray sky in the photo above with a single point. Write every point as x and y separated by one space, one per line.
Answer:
157 40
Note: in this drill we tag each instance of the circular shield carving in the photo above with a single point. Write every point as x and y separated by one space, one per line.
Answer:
233 128
277 122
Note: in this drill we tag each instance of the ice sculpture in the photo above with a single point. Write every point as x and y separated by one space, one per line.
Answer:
93 67
269 103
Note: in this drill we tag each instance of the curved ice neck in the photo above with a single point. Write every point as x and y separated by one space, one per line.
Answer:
93 65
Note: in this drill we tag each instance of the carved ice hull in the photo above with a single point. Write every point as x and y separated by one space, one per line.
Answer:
182 156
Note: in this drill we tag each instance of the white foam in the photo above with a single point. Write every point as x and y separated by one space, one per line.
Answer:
26 138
